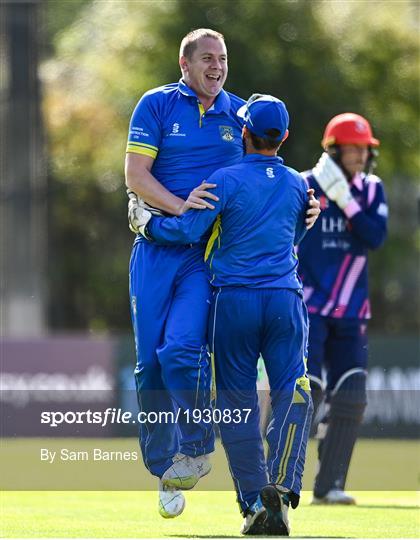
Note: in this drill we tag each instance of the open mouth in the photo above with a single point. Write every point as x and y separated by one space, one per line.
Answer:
212 77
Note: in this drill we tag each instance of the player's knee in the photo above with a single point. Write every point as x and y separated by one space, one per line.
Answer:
169 356
147 376
348 398
180 361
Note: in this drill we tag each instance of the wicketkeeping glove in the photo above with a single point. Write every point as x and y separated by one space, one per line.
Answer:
332 181
139 214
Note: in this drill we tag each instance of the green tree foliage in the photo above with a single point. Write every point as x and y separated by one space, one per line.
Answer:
322 58
57 16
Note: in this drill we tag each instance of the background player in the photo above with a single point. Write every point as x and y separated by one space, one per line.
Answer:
333 267
257 309
179 134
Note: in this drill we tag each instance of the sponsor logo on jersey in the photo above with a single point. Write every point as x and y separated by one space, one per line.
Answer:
333 225
226 132
137 132
269 171
175 131
335 243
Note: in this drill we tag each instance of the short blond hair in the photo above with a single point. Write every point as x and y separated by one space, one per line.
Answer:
189 42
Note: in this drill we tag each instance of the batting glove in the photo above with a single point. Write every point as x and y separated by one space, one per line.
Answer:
139 214
332 181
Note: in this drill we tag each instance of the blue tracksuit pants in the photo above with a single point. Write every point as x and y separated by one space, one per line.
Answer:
243 324
170 302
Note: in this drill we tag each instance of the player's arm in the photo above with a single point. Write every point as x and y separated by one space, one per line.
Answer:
370 225
139 179
191 226
312 209
139 210
301 225
143 145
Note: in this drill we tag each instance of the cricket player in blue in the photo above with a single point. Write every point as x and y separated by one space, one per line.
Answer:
179 135
257 308
334 269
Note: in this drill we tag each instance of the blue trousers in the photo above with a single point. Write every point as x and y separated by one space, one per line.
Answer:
170 302
244 324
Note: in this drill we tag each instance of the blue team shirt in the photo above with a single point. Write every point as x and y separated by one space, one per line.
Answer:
333 258
187 143
258 219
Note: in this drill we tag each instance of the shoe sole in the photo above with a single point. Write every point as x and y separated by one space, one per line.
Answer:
258 526
184 483
274 524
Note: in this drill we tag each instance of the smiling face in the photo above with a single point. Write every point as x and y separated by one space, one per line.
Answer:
206 71
354 157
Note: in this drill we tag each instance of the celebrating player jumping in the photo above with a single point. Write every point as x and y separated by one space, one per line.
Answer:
257 308
179 135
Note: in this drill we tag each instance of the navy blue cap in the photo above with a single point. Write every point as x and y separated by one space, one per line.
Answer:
262 113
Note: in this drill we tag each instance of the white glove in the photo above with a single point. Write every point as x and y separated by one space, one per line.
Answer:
332 181
139 214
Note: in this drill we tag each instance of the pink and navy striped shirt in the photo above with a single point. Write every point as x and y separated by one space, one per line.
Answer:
333 256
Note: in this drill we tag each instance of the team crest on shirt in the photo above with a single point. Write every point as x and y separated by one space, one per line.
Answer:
226 132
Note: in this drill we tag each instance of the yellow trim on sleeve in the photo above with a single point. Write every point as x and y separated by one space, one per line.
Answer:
143 144
141 150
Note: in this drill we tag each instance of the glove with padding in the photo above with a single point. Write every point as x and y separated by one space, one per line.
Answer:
332 181
139 214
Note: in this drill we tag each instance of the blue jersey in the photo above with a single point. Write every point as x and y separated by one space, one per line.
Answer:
258 219
333 258
187 143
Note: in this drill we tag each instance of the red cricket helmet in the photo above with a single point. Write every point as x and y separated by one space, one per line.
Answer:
348 128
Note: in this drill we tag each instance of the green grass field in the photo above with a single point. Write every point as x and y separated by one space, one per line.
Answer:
386 508
116 514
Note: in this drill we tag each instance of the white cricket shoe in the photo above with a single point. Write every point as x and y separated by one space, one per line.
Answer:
335 496
186 471
171 501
